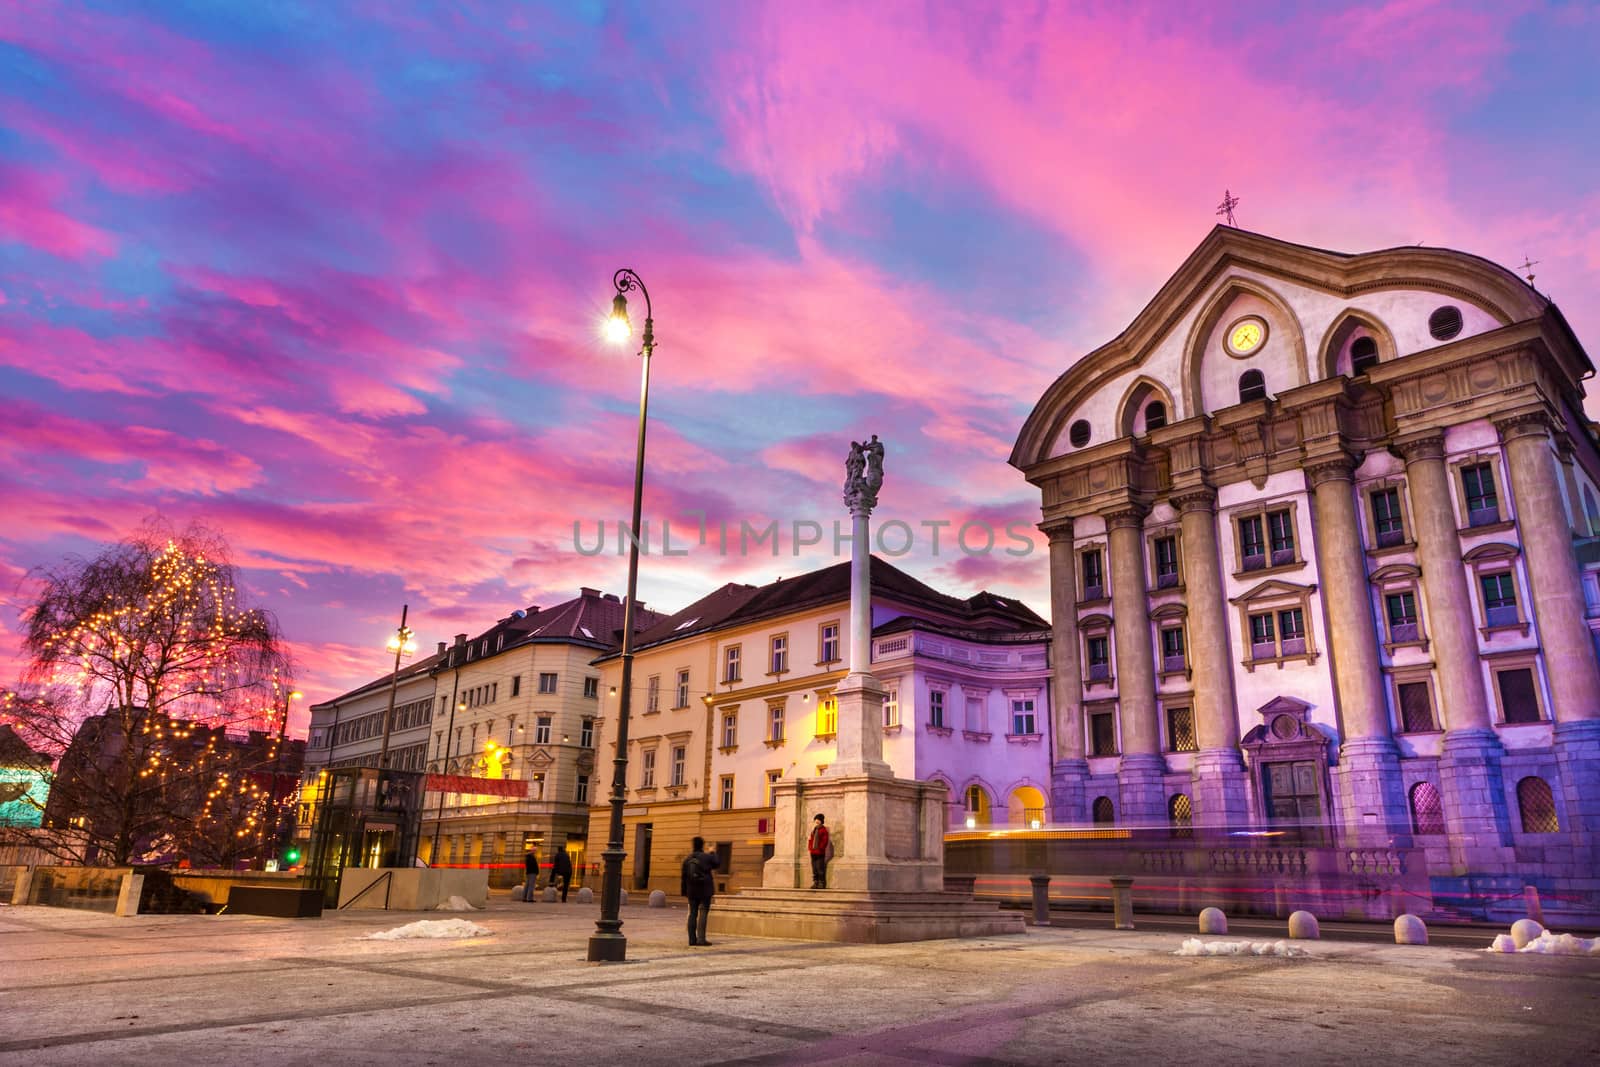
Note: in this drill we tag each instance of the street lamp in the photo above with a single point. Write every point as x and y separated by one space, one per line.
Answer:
401 644
607 944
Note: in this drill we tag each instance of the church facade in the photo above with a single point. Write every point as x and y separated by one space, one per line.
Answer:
1324 547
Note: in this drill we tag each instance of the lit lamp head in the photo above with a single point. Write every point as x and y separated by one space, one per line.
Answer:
617 327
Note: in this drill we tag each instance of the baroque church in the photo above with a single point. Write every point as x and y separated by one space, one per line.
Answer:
1324 545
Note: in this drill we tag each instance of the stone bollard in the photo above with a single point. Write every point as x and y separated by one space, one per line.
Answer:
1525 930
1303 926
128 896
658 898
1410 930
1122 902
550 895
1041 899
1212 921
586 895
1530 898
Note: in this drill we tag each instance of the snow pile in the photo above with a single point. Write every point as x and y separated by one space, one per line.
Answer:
455 903
431 929
1193 946
1549 944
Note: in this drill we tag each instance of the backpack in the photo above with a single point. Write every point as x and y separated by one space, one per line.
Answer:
699 873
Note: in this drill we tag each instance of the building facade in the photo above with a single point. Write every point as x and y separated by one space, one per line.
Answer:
1323 553
735 693
525 701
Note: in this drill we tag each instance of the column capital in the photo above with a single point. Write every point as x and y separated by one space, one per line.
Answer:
1057 530
1420 446
1534 423
1194 498
1126 516
1333 467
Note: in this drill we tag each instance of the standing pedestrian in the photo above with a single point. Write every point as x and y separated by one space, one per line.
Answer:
817 844
561 870
698 886
530 867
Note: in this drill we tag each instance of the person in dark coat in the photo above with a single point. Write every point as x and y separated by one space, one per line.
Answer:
530 868
561 870
818 847
698 886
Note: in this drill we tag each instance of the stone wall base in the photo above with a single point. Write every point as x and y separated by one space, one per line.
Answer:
857 917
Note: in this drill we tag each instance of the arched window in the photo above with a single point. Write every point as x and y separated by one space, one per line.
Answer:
1181 815
1252 386
1155 415
1104 813
1078 433
977 804
1363 355
1427 813
1537 806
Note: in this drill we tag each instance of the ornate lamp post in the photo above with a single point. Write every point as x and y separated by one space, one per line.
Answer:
400 644
607 944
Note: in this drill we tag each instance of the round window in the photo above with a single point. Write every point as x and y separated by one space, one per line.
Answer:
1445 322
1079 433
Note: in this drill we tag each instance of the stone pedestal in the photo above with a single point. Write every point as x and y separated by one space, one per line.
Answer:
887 833
860 728
860 918
1474 799
1371 800
1068 791
1218 789
1142 788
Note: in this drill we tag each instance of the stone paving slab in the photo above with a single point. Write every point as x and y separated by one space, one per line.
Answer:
82 987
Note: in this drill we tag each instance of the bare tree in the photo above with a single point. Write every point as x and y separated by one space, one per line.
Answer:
142 659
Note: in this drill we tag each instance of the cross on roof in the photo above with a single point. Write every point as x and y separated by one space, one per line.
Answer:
1229 202
1528 265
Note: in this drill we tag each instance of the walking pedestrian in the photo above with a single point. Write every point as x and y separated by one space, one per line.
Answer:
698 886
817 844
530 867
561 870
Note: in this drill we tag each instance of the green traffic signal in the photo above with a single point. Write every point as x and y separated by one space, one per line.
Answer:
291 856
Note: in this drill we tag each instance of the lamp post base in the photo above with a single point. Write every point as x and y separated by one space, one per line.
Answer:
608 948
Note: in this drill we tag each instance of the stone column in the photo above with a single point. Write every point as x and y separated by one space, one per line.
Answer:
1469 764
1218 770
860 695
1557 599
1069 768
1139 775
1372 800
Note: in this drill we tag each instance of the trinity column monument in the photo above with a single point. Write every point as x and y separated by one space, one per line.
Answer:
886 881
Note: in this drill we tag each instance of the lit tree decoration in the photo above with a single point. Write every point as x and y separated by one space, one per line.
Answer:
142 659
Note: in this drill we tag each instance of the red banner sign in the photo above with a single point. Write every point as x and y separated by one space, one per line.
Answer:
483 787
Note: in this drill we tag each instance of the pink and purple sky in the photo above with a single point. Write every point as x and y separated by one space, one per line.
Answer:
328 276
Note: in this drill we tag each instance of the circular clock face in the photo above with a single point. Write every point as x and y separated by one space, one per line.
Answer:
1246 335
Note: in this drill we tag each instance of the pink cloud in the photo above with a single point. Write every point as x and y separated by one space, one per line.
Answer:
30 212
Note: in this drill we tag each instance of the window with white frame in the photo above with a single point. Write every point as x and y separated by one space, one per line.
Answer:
1165 551
586 733
773 778
547 682
727 792
1093 567
581 790
1097 648
829 642
541 730
1173 657
891 706
827 716
1401 610
780 653
1478 492
1499 599
730 729
652 694
680 763
591 688
1388 522
683 689
775 723
647 769
730 663
936 708
1022 717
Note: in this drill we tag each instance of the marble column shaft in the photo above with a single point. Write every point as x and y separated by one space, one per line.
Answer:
1557 593
1218 768
1141 767
1452 620
1069 767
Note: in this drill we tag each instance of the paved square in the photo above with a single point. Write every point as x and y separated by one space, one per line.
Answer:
81 987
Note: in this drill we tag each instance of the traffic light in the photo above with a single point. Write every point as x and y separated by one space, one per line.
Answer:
291 856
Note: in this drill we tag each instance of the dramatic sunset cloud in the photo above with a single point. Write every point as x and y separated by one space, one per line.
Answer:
328 277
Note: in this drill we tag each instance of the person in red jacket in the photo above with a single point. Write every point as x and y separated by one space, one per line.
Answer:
818 846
